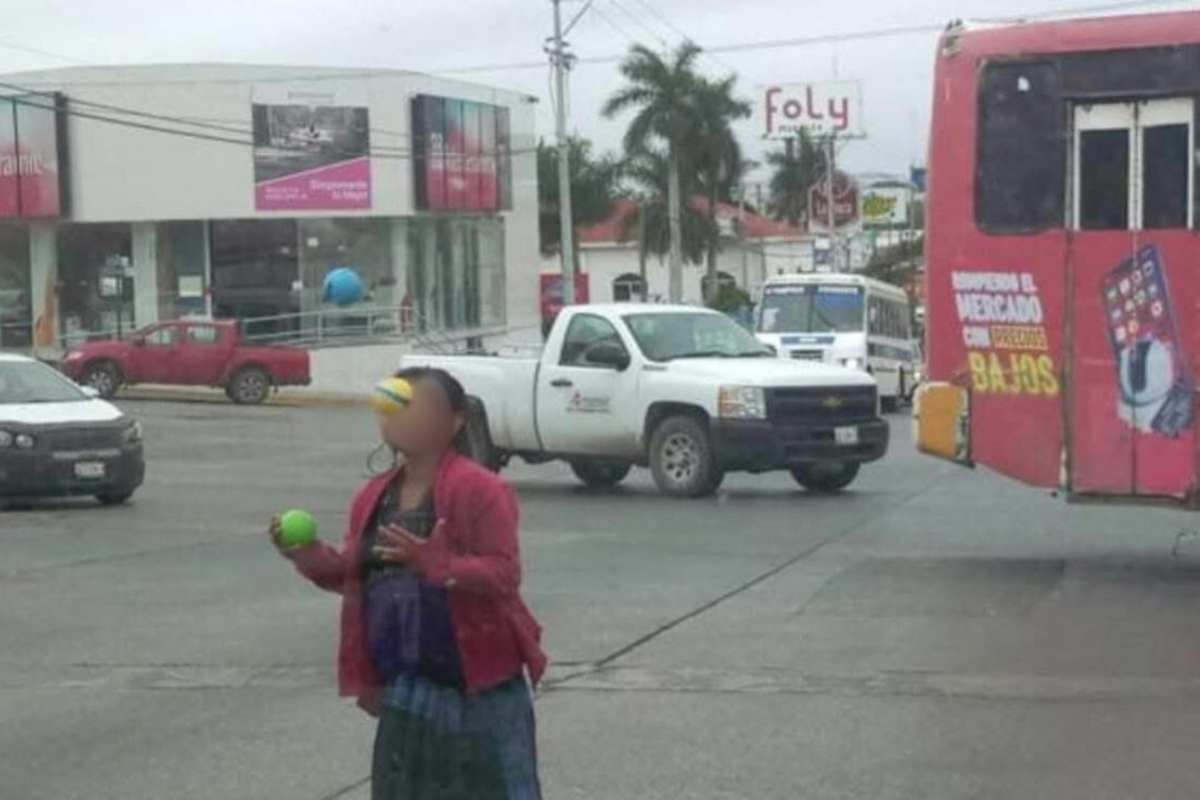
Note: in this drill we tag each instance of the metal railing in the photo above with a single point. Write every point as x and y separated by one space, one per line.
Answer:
337 327
346 327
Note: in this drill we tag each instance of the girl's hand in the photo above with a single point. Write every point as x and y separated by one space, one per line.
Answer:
402 547
275 531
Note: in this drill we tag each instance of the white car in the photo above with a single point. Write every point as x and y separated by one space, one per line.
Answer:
683 390
58 439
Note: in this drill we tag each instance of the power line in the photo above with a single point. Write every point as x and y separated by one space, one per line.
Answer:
678 32
621 31
373 152
650 31
844 36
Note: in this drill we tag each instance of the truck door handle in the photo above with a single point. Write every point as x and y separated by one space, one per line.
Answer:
561 383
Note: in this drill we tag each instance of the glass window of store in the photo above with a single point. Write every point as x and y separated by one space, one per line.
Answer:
16 300
456 272
255 272
182 279
96 286
359 244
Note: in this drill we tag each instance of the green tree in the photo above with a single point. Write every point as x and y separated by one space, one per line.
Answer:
594 187
714 150
796 169
662 92
648 170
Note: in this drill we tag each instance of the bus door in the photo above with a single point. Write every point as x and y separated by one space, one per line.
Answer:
1132 267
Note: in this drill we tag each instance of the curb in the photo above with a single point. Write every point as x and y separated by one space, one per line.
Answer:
194 394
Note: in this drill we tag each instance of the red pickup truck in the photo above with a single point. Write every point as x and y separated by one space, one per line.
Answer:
188 352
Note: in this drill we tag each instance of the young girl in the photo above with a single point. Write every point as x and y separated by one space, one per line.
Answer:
435 639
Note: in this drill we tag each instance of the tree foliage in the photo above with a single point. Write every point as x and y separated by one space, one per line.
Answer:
595 183
795 170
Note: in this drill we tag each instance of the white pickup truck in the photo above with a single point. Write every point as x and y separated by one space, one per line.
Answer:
683 390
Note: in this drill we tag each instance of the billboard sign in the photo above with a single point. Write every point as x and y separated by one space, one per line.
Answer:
846 210
831 108
461 155
311 150
31 173
885 206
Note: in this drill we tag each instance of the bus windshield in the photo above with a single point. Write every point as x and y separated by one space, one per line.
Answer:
812 309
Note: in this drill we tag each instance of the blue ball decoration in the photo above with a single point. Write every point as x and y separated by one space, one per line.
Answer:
343 286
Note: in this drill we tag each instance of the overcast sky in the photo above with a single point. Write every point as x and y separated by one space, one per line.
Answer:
895 73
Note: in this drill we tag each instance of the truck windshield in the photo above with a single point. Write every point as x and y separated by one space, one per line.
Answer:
31 382
665 336
812 309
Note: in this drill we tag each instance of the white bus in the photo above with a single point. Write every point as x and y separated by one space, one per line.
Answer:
841 319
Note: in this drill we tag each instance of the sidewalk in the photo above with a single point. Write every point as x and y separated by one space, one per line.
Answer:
292 396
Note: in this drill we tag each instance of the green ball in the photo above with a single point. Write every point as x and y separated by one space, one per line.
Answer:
297 528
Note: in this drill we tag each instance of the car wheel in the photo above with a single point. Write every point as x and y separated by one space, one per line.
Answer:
600 474
250 386
681 458
103 376
828 477
114 499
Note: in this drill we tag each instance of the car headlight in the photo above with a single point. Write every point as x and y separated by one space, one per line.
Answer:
74 355
741 402
24 441
133 433
6 439
852 363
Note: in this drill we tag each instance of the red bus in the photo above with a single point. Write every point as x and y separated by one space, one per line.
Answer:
1063 261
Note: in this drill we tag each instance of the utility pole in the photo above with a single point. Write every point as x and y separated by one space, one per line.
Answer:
831 215
561 63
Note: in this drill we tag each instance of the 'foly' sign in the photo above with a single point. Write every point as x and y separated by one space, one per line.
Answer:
821 109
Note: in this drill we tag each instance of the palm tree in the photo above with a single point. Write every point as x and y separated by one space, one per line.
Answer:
797 168
649 171
716 153
662 90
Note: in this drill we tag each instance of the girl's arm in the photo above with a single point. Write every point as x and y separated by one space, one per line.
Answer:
321 563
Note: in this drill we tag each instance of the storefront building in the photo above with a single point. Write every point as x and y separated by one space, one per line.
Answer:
134 194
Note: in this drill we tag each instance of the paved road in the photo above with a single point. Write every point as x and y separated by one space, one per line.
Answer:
934 633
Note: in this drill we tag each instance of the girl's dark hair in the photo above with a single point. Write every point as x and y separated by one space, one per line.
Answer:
456 395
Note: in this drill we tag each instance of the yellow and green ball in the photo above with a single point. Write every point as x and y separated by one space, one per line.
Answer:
391 395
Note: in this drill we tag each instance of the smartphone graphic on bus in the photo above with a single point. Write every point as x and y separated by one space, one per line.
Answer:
1155 386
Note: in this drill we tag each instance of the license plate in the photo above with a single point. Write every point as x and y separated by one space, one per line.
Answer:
89 469
845 435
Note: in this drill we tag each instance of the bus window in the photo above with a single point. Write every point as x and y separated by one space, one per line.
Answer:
811 309
1133 165
1021 158
1165 176
1104 180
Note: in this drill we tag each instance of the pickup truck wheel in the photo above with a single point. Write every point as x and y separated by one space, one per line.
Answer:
479 439
119 498
600 474
250 386
829 477
103 376
681 458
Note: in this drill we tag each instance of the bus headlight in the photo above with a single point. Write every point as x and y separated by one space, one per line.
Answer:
741 402
852 363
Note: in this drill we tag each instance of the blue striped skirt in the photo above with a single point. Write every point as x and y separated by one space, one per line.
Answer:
436 743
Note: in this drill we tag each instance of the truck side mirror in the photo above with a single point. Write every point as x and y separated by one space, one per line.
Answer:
608 354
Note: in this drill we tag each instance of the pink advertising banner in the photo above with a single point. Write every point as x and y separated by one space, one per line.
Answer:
339 186
29 160
311 150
